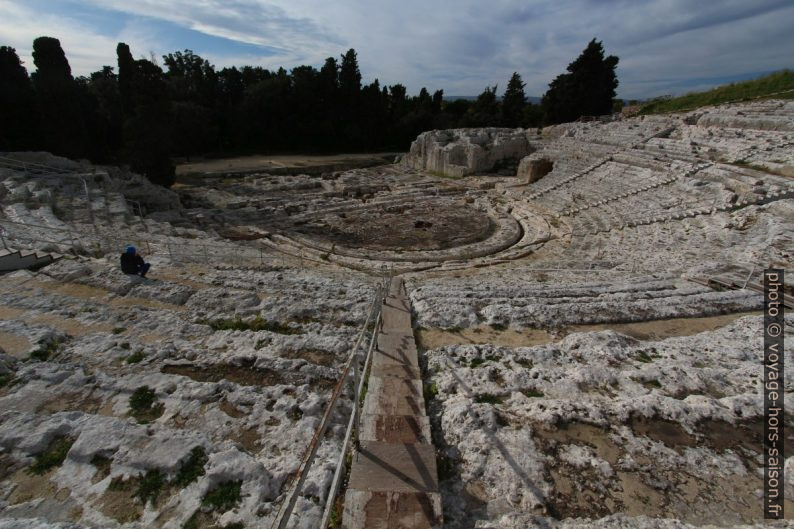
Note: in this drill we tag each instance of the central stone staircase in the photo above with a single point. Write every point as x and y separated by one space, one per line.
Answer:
393 481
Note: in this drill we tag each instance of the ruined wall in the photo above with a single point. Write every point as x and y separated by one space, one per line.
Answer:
461 152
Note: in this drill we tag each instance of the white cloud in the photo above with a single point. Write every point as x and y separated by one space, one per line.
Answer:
459 46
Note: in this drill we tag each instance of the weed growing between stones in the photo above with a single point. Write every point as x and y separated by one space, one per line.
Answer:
45 351
532 393
149 486
488 398
430 392
53 456
256 324
223 497
136 357
193 468
524 362
143 405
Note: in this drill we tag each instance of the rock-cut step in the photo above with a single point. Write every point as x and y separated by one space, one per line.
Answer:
11 260
394 481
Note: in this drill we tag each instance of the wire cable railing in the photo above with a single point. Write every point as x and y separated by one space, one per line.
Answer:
285 510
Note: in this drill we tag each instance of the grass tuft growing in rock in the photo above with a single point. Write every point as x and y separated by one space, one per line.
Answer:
223 497
430 391
45 351
193 468
6 380
488 398
256 324
53 456
149 486
143 405
532 393
136 357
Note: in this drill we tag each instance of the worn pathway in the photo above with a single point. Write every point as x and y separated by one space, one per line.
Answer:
393 482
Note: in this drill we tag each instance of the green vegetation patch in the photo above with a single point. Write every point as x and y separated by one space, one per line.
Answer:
524 362
763 87
193 468
6 379
136 357
430 391
149 486
488 398
223 497
256 324
477 362
143 405
532 393
45 351
53 456
646 357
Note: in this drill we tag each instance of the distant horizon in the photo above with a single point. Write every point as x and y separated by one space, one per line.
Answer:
666 47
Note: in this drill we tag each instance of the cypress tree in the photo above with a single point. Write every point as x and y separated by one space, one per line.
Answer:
513 102
19 117
587 89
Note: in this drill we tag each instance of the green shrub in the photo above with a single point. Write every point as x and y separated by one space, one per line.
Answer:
53 456
193 468
136 357
223 497
6 380
256 324
488 398
477 362
149 486
143 405
643 357
532 393
430 391
142 399
45 350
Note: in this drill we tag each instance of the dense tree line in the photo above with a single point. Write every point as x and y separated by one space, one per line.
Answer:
145 114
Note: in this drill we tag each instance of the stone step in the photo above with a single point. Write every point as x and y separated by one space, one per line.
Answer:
395 349
398 467
395 428
394 396
392 510
393 481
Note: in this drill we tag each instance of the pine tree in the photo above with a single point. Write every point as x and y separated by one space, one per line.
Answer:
126 72
588 89
513 102
62 120
19 118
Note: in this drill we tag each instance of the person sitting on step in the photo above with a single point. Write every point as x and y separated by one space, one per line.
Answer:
132 263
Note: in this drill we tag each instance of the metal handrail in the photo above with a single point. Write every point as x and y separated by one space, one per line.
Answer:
352 427
285 510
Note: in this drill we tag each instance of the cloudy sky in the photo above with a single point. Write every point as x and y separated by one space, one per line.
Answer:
461 46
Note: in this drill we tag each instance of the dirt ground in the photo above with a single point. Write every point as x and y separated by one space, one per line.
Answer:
646 330
244 164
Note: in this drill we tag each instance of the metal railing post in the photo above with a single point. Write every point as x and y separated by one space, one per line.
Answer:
748 277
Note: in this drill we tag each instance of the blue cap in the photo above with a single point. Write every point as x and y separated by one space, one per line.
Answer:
130 249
